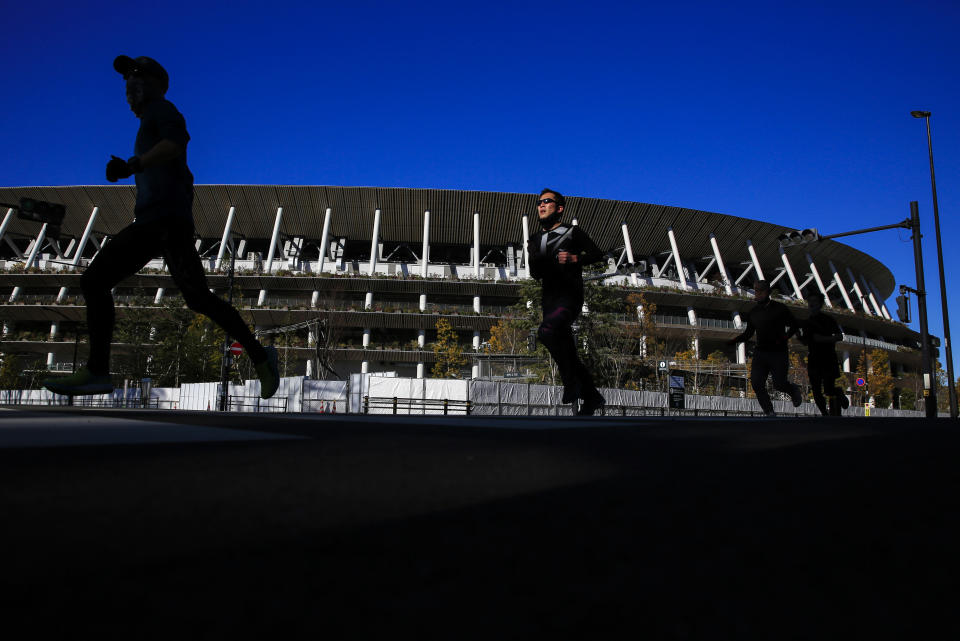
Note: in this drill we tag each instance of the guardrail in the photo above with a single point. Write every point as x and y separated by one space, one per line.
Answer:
397 405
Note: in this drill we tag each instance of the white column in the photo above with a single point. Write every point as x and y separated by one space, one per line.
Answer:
676 259
643 337
374 254
226 237
741 347
793 279
476 270
846 360
274 240
816 277
6 222
271 252
420 370
159 296
324 239
524 223
870 296
54 329
860 297
425 251
883 305
425 258
628 246
375 243
695 341
314 298
31 258
727 285
841 286
756 262
476 245
475 370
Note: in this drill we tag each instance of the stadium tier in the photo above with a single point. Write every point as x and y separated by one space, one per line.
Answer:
369 271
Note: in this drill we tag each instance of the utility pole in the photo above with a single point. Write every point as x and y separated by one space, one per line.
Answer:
927 367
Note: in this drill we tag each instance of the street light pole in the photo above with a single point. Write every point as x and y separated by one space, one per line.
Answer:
948 347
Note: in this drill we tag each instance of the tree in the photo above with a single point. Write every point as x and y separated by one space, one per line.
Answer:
881 378
612 344
10 370
508 336
447 352
133 331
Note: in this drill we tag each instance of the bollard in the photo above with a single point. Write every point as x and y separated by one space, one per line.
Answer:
444 407
468 408
366 404
394 404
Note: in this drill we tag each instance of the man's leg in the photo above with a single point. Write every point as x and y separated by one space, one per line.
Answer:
556 335
122 256
816 384
779 367
187 272
759 370
119 258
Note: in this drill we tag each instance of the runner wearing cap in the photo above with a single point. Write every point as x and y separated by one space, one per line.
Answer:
162 226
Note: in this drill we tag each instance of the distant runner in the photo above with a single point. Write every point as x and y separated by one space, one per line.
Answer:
820 332
773 325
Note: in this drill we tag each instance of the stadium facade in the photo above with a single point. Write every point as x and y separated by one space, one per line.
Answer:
382 265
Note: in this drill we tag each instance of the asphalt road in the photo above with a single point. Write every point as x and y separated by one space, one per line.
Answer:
163 524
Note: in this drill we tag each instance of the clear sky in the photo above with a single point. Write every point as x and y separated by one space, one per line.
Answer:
794 113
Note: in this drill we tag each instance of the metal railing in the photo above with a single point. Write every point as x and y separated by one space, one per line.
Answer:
398 405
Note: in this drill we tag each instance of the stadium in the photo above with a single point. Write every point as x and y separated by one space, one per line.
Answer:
370 271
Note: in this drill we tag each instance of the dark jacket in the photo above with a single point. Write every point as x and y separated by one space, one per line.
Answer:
773 324
562 283
821 325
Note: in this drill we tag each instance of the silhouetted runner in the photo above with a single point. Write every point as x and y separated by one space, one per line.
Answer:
773 324
820 332
162 226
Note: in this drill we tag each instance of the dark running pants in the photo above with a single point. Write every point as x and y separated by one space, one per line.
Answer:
556 334
124 255
765 364
823 377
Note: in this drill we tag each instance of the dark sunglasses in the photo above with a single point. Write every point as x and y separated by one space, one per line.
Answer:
545 201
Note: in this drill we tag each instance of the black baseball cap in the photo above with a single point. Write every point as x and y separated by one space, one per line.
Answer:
144 66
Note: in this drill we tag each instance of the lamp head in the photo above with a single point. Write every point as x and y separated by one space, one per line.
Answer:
920 114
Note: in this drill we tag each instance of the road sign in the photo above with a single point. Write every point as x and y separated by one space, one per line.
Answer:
236 349
662 366
861 382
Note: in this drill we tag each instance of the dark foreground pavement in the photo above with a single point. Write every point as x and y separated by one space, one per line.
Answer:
180 525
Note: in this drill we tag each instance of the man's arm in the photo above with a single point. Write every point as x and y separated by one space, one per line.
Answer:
789 323
744 336
834 337
586 252
162 152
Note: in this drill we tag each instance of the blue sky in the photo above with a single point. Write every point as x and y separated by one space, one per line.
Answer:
794 113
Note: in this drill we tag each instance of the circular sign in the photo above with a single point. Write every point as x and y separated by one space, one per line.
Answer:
662 365
236 349
861 382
